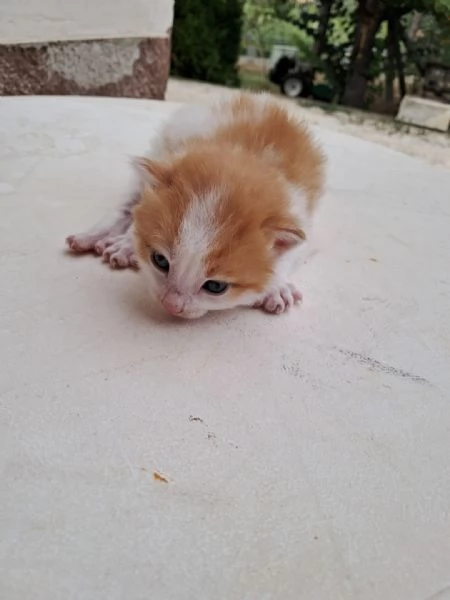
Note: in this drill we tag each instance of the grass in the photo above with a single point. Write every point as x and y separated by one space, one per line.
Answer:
257 81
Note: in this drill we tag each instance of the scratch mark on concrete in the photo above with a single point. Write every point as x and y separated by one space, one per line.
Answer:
381 367
192 418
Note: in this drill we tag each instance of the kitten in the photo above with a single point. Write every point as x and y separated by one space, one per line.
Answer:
224 207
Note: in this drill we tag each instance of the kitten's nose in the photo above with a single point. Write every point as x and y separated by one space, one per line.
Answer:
173 303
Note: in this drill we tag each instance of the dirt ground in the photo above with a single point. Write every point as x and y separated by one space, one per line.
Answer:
433 147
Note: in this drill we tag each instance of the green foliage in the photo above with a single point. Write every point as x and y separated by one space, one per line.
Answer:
267 22
334 58
263 27
432 43
276 31
256 82
206 40
441 7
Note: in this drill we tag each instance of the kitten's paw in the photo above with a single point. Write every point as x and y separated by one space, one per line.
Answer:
106 242
280 299
100 236
120 254
81 242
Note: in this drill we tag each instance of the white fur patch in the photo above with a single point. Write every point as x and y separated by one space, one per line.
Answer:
299 206
263 100
255 111
197 231
189 121
289 261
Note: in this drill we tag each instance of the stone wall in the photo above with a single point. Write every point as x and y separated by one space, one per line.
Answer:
108 49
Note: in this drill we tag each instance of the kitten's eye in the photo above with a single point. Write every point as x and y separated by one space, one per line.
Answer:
215 287
160 262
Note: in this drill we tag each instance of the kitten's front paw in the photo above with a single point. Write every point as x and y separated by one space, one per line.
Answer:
120 254
280 299
82 242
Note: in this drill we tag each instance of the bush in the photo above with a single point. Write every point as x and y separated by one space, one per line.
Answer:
206 40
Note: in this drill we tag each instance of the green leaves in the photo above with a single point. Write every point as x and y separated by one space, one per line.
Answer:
206 40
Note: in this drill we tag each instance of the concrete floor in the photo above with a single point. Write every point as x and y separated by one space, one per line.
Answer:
307 456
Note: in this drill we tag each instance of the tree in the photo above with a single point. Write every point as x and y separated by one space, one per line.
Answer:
323 25
206 40
355 41
257 15
329 24
369 16
390 66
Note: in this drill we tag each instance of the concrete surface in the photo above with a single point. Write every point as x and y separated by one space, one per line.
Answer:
31 21
306 456
425 112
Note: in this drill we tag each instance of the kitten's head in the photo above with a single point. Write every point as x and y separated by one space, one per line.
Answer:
209 229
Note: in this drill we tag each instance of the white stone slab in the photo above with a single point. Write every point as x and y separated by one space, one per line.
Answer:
307 455
424 112
34 21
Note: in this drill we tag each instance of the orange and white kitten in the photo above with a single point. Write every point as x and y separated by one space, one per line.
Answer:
224 208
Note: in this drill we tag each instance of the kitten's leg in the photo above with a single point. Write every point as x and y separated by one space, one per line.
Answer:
279 299
103 235
280 294
121 253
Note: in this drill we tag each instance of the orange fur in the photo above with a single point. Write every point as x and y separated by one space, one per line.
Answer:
250 162
300 159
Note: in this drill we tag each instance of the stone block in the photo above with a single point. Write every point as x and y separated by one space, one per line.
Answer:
424 112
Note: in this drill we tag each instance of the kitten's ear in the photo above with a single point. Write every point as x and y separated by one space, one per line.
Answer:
284 236
151 172
284 239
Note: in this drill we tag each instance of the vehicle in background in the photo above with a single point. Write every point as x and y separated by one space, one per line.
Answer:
295 77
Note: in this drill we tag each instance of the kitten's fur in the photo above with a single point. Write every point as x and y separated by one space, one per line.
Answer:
227 196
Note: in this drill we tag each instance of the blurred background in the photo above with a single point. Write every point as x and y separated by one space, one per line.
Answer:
364 54
379 69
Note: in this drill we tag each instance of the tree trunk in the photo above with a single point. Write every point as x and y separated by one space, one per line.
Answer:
324 18
369 17
399 59
390 68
